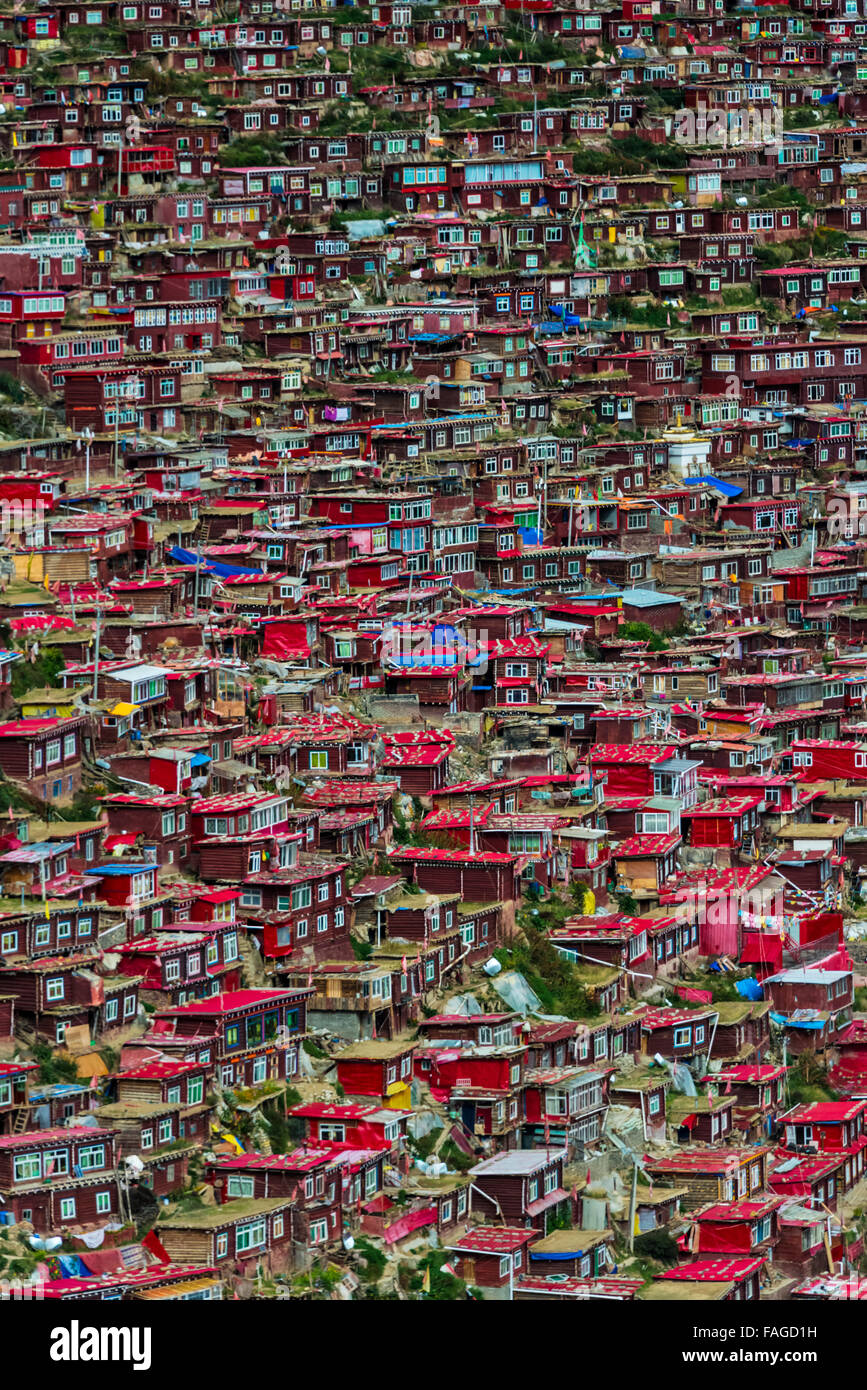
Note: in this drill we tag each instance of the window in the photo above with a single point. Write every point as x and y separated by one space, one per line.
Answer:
93 1156
318 1231
240 1186
103 1203
251 1236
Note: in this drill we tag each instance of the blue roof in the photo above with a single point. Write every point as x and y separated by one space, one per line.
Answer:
112 870
44 849
648 598
727 489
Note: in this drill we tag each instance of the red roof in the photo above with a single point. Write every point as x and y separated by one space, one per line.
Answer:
122 1278
233 999
448 1019
16 1068
450 856
494 1240
299 1160
745 1210
704 1160
637 846
767 1072
631 752
73 1133
427 756
721 1269
789 1169
158 1071
16 727
549 1285
723 806
827 1112
669 1018
320 1110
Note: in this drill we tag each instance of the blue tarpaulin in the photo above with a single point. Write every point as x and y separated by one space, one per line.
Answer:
749 989
816 1023
189 557
727 489
558 1255
570 320
530 535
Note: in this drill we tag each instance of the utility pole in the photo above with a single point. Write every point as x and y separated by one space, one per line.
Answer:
88 435
408 613
632 1203
542 505
117 432
96 652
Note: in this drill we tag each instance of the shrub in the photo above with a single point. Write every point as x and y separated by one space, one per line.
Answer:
657 1245
53 1067
374 1260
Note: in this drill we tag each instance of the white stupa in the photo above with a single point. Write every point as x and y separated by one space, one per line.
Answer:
688 452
